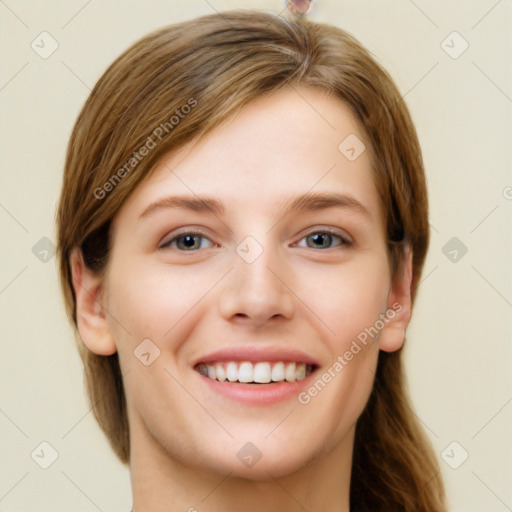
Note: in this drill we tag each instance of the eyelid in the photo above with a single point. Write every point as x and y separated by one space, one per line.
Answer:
347 239
170 237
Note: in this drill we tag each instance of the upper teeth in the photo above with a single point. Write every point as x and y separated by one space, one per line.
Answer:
261 372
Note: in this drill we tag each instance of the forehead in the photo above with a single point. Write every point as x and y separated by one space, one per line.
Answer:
294 141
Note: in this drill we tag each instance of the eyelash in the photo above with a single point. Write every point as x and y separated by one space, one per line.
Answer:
344 241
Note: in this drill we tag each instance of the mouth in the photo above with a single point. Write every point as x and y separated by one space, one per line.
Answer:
253 375
255 372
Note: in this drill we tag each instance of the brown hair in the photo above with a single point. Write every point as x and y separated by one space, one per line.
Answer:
218 64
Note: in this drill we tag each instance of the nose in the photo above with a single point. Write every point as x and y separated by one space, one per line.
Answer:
257 293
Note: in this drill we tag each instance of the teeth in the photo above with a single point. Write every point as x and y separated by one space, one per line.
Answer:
220 372
278 372
231 372
290 372
245 372
260 372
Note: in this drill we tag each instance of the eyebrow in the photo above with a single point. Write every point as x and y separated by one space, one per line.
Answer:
305 203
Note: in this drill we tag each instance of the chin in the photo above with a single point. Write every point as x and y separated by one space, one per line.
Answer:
259 464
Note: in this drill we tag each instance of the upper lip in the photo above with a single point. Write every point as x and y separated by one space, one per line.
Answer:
252 353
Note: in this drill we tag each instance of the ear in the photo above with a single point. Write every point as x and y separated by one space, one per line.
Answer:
398 312
90 316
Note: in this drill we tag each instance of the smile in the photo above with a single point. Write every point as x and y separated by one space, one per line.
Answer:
261 372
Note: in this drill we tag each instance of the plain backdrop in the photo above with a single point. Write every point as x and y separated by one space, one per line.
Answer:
452 63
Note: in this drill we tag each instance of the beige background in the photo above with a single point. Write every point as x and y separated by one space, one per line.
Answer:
459 351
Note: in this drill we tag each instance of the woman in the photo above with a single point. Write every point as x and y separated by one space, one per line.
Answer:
242 227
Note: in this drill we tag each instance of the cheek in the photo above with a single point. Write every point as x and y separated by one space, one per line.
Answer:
357 296
150 300
348 299
350 306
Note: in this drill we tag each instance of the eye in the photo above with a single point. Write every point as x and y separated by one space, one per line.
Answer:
324 239
191 241
187 242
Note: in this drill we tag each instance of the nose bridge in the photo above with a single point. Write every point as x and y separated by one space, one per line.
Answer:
256 289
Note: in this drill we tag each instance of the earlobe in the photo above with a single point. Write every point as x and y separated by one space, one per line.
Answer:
399 306
90 316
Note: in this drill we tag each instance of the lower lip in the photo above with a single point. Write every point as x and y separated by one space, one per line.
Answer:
258 394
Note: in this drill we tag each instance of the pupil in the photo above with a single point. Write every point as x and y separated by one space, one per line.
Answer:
320 239
188 241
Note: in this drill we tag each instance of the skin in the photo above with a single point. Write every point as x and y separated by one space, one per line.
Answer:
297 293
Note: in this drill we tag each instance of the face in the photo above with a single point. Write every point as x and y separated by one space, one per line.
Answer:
263 243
